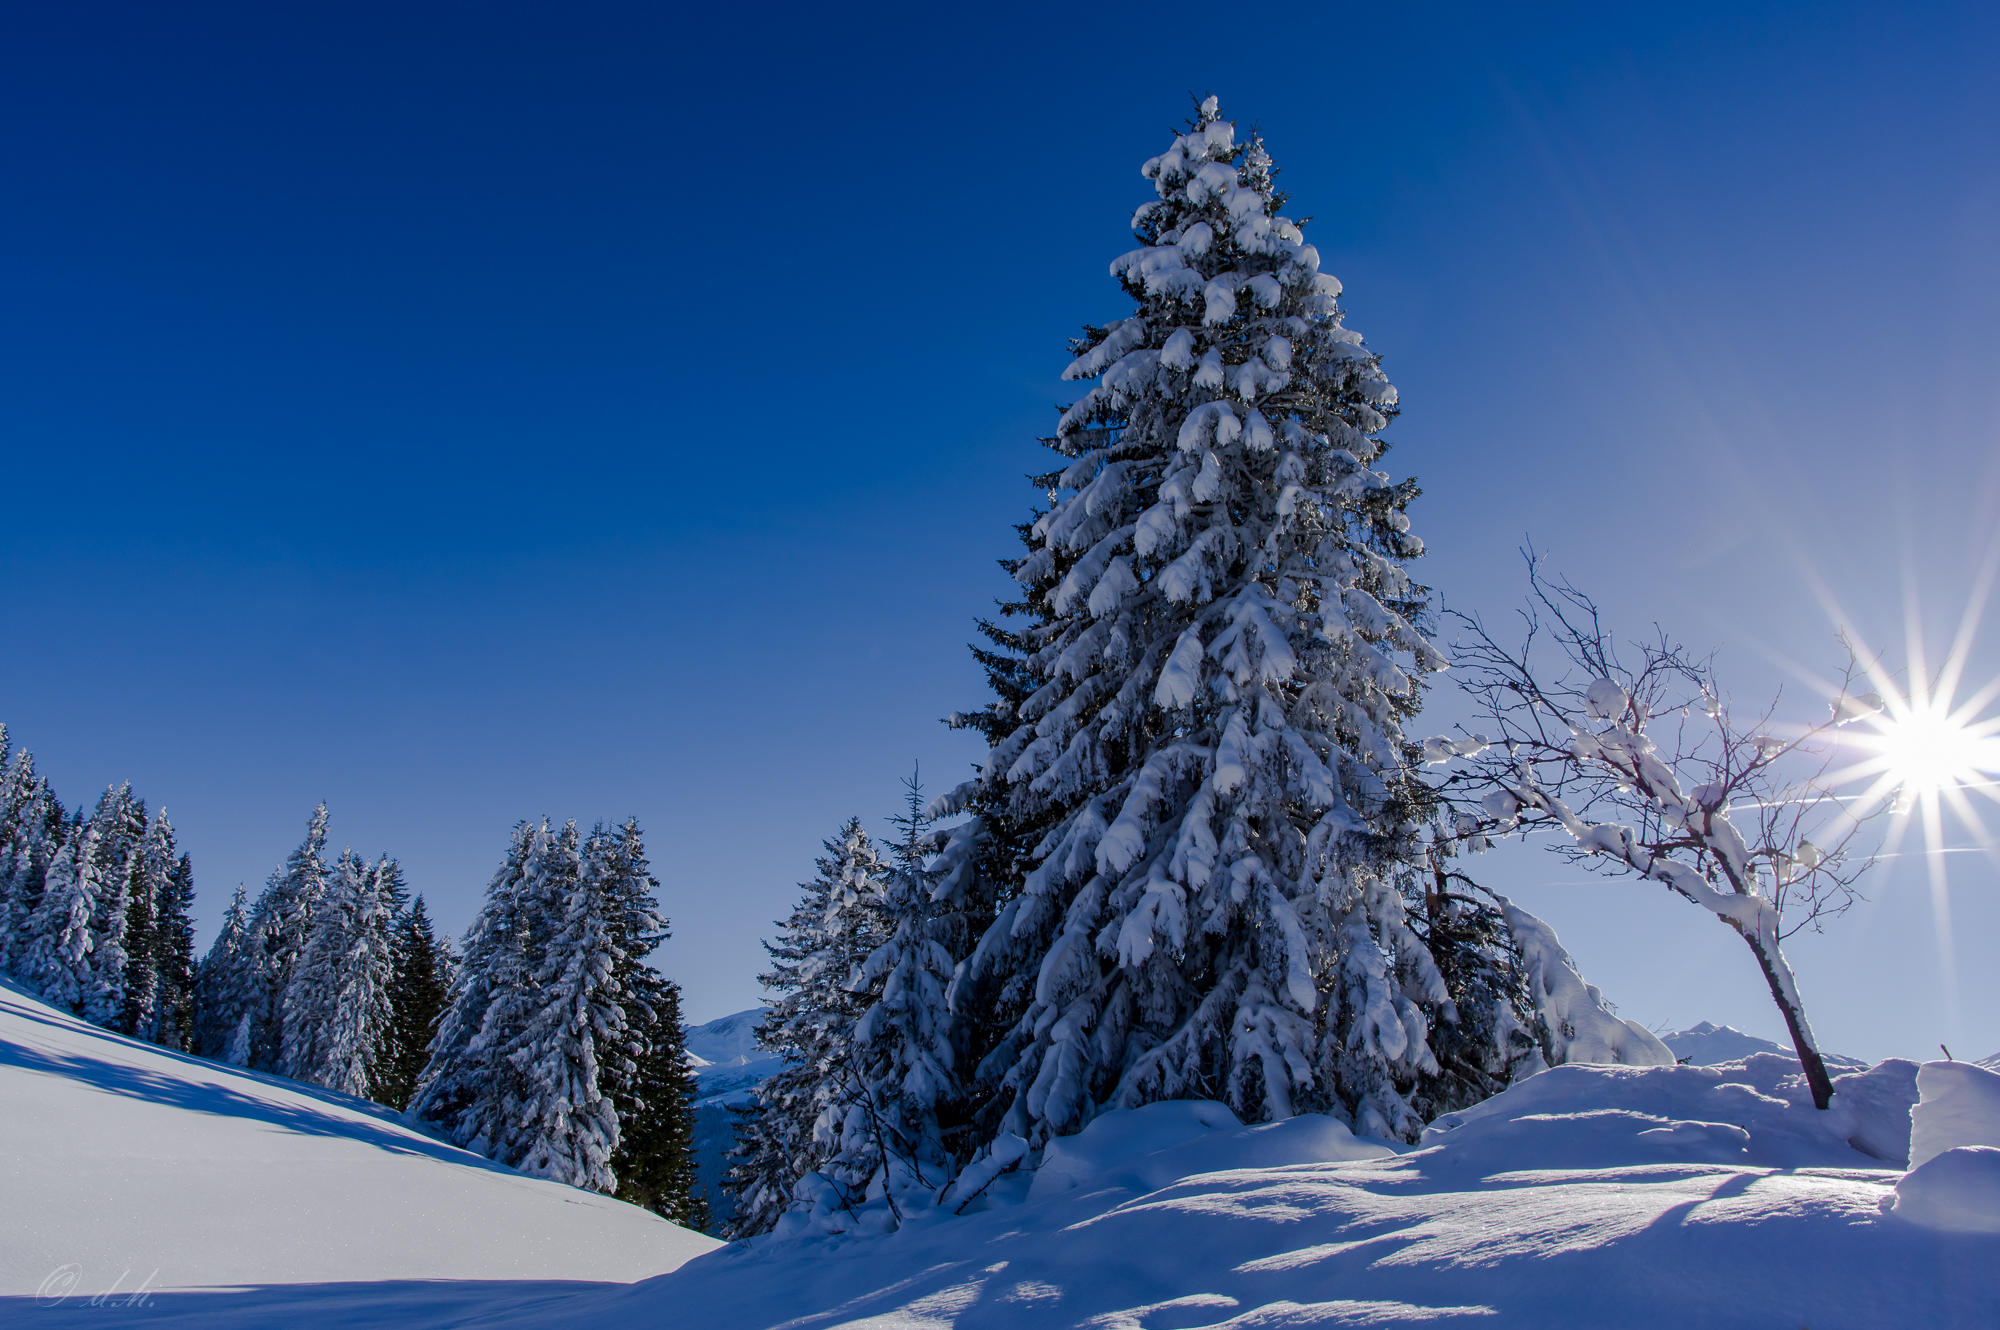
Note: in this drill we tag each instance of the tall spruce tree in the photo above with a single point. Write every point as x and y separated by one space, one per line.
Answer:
1223 645
416 1002
280 924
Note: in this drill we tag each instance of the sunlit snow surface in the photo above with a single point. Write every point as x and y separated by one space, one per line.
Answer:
124 1165
1586 1197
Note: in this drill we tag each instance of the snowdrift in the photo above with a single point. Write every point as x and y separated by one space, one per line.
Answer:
124 1165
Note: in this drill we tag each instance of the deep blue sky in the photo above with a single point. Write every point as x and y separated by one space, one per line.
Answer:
463 412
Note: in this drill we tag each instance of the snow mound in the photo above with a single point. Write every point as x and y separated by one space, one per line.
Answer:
1141 1149
124 1164
1754 1112
1958 1103
1957 1191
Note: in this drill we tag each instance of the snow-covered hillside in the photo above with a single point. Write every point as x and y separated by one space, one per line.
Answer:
1588 1196
122 1163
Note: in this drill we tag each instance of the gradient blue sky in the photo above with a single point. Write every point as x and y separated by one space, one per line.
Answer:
460 412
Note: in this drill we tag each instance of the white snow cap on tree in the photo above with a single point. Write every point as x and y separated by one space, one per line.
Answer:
1230 650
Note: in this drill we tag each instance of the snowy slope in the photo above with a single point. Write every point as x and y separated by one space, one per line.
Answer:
119 1158
1587 1197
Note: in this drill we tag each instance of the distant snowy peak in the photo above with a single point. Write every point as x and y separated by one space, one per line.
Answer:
729 1041
1708 1044
726 1059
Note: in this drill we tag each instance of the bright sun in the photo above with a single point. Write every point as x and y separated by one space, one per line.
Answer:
1927 751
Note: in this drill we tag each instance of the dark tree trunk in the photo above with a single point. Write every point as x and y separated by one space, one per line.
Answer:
1783 992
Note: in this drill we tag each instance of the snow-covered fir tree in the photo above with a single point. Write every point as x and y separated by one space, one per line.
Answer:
416 1003
1223 645
148 881
336 1014
280 923
468 1088
55 960
117 827
172 1023
32 826
567 1127
883 1132
652 1085
225 988
554 1032
838 923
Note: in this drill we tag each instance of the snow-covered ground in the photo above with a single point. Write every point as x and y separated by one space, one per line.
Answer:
1585 1197
122 1164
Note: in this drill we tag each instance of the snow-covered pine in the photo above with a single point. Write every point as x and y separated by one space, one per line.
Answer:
118 825
172 1024
149 876
883 1133
651 1083
337 1003
566 1123
56 959
1228 656
225 986
467 1086
32 827
417 996
836 925
280 924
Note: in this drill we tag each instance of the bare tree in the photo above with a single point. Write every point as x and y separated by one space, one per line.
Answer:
1638 763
